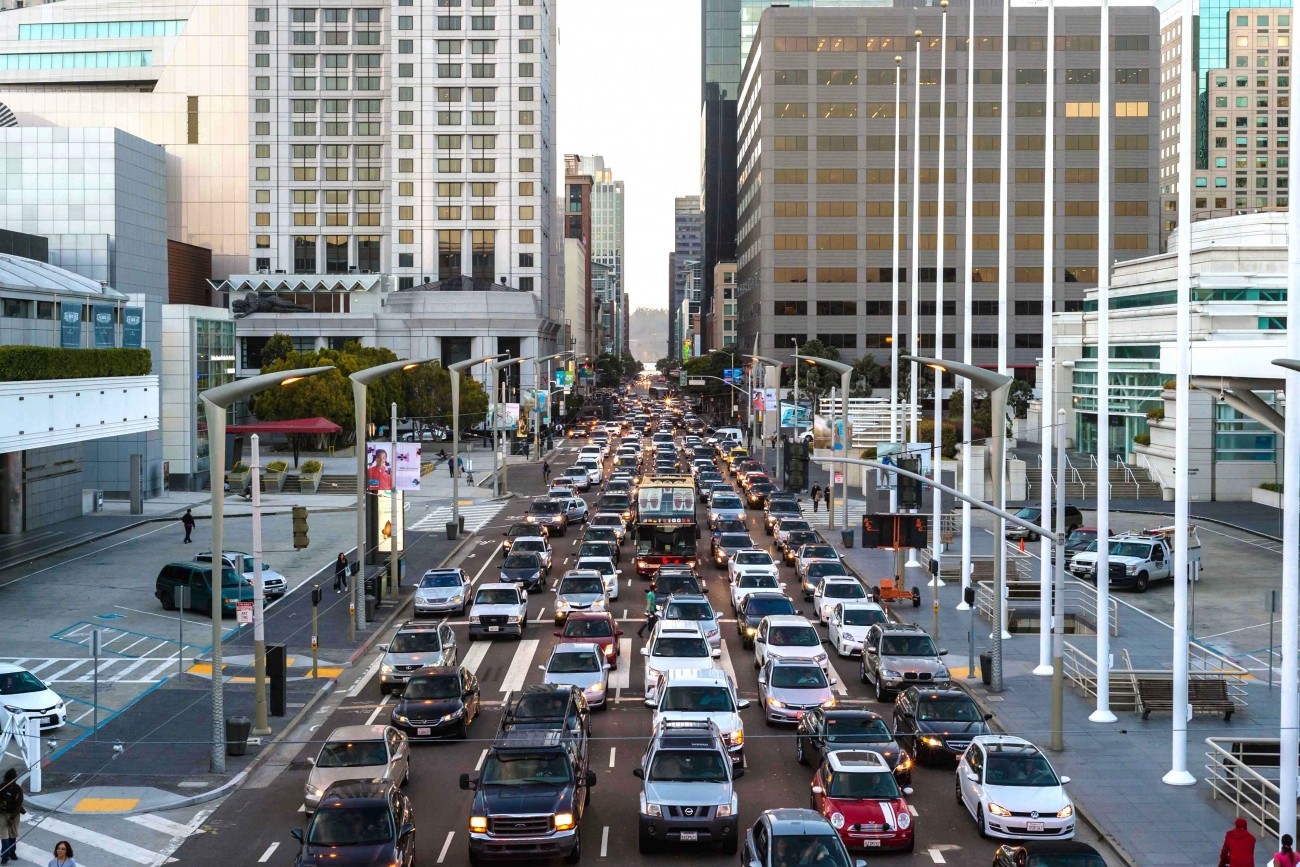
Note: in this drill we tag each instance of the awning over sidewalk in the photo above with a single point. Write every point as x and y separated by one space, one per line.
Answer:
292 426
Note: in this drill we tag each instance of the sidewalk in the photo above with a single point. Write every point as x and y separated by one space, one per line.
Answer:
1115 768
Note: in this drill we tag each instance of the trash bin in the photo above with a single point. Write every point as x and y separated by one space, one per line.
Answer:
237 731
451 529
986 668
846 538
98 501
370 608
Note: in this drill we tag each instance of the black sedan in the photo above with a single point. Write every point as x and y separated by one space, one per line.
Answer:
438 702
825 730
1047 853
526 569
756 497
934 723
359 823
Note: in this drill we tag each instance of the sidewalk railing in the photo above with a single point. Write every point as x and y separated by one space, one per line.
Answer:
1128 474
1081 670
1232 764
1152 472
1080 600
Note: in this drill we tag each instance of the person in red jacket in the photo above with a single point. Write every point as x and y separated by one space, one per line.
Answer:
1238 846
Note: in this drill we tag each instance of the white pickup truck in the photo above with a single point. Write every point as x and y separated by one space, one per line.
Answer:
1137 559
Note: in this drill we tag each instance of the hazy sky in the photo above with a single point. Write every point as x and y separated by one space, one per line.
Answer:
629 89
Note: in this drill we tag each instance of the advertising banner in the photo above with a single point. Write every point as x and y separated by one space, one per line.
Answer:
384 515
383 468
133 328
105 326
889 453
70 324
787 415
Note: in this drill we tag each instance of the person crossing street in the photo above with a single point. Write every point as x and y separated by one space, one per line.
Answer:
546 473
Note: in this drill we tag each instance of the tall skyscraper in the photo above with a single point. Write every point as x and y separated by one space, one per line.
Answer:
688 237
607 247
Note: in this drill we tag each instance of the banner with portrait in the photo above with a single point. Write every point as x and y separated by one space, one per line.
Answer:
384 468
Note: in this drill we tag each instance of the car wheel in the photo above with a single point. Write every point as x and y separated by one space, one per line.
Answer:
862 668
383 690
168 602
576 855
957 787
1143 582
979 822
911 844
1031 536
881 694
645 844
471 635
799 754
474 859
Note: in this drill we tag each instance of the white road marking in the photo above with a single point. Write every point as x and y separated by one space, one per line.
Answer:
442 855
365 678
604 842
936 856
379 707
474 656
726 663
612 752
912 809
518 670
97 840
488 562
841 686
270 850
482 757
158 823
621 677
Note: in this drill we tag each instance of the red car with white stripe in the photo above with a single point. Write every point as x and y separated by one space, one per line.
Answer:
856 792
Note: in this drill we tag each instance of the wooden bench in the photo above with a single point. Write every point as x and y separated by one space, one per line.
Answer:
1205 696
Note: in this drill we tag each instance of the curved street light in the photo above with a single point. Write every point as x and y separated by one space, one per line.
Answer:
455 370
503 477
846 372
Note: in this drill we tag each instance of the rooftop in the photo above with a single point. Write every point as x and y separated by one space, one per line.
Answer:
17 272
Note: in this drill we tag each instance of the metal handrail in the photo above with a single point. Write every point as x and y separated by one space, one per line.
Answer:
1251 794
1152 471
1078 479
1081 669
1080 598
1128 472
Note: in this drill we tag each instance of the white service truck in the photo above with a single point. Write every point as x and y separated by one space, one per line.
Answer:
1137 559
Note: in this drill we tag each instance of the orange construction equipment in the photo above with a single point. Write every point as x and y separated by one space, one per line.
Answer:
888 592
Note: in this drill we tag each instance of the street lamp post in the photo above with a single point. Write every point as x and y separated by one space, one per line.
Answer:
1289 743
539 389
795 368
998 385
968 276
936 501
455 370
216 402
360 383
501 485
776 377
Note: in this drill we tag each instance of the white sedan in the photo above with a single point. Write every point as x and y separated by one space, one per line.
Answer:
751 582
751 560
25 694
837 588
1012 791
847 626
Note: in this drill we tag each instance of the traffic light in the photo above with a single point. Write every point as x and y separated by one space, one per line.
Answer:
300 527
796 465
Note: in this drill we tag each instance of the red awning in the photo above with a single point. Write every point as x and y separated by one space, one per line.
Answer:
293 426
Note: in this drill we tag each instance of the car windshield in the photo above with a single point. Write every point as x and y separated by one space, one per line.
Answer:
680 647
788 525
1018 769
423 641
861 787
798 677
615 501
528 546
1136 550
581 585
688 611
600 534
546 508
19 682
573 663
688 766
800 537
594 549
793 636
729 525
547 705
813 552
757 579
758 607
823 850
352 754
496 596
735 540
433 686
521 561
602 566
1029 514
948 710
822 570
441 579
862 616
726 501
907 645
754 558
499 770
858 730
576 628
710 699
351 825
607 521
843 590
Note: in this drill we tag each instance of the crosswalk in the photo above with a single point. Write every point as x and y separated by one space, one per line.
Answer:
81 669
476 517
821 518
141 840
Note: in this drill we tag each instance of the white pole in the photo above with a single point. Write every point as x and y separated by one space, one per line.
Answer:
1178 774
1046 414
967 403
915 335
394 576
936 501
260 726
895 425
999 423
1103 712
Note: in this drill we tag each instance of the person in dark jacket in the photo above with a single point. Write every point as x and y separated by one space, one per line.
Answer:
816 496
1238 846
11 810
341 573
187 521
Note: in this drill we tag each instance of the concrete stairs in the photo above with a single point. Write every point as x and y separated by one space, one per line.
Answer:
1081 483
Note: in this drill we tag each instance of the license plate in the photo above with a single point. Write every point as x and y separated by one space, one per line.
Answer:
494 629
871 844
690 836
1033 826
423 732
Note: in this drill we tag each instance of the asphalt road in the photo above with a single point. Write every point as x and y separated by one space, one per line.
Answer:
253 825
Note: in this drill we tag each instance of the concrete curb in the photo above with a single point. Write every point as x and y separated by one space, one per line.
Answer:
1204 520
1084 813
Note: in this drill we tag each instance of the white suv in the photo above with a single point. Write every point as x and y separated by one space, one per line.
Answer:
700 694
498 609
676 644
788 636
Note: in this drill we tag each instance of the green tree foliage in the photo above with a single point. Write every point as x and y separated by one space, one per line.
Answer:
816 382
278 347
925 385
1018 398
950 434
866 375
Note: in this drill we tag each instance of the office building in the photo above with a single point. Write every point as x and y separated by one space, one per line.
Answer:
576 216
721 321
816 185
688 237
1243 74
607 249
577 296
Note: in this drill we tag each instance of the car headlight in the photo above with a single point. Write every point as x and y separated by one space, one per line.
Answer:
474 618
597 687
397 717
458 712
830 702
820 658
654 810
724 811
313 792
737 738
751 631
904 762
837 820
775 703
564 822
478 824
1131 570
1066 812
889 675
563 603
385 669
457 598
503 578
609 649
932 741
998 810
515 618
904 819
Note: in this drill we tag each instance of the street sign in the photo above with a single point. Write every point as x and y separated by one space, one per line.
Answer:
727 375
696 381
244 612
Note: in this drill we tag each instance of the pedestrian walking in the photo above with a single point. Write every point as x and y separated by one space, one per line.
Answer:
62 855
816 496
546 472
187 521
826 495
1238 846
451 468
651 613
1286 856
11 808
341 573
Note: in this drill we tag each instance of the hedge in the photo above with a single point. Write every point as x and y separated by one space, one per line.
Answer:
27 363
311 466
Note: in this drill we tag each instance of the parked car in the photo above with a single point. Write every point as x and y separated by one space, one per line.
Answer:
358 753
1011 790
437 702
1034 515
274 585
1047 853
195 578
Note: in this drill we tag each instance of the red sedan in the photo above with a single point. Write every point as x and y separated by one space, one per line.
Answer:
593 627
857 793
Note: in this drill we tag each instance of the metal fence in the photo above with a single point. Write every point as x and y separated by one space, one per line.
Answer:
1203 664
1080 600
1244 771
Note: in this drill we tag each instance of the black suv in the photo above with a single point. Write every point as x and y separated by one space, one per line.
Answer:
559 707
936 723
757 606
359 823
529 797
676 579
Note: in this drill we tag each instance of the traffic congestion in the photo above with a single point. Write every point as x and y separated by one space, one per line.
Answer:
656 653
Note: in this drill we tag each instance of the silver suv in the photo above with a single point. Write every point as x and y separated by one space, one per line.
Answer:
415 646
687 796
895 655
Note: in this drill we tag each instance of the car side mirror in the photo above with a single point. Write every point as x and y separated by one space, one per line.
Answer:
590 779
743 704
816 790
541 668
296 833
645 651
907 790
638 773
407 829
466 784
943 651
1064 780
716 653
384 648
762 679
649 702
987 717
556 633
618 632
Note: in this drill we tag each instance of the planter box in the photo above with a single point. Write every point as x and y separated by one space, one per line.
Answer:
308 483
237 480
1266 498
273 481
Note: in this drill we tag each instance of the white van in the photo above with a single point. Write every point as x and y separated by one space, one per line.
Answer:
726 435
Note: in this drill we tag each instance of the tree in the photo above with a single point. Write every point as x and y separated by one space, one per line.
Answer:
1019 396
816 381
925 385
278 346
865 377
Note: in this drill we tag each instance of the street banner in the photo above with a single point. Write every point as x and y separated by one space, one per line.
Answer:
133 328
105 326
889 453
70 324
384 520
382 470
727 376
787 415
